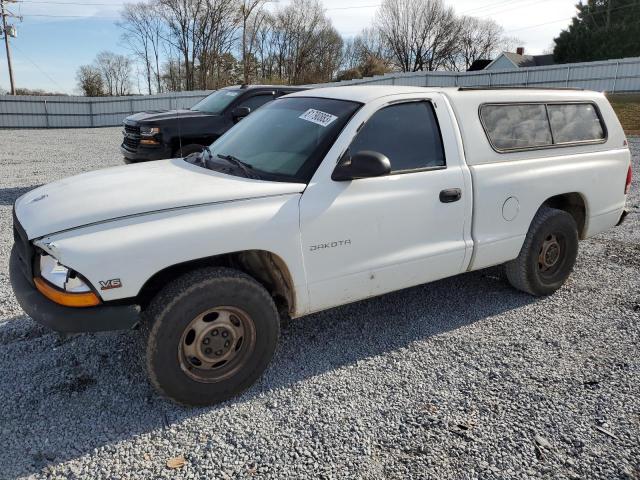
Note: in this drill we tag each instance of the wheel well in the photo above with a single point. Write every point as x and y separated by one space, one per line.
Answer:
573 204
265 267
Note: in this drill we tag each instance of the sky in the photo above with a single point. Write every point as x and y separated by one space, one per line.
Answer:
55 37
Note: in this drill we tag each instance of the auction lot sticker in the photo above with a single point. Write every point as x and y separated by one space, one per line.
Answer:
319 117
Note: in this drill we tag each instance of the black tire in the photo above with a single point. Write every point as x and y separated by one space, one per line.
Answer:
548 254
168 324
187 150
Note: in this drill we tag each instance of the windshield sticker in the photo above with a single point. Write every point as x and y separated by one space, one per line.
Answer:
316 116
232 94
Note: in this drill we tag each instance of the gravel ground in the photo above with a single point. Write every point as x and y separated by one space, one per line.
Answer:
462 378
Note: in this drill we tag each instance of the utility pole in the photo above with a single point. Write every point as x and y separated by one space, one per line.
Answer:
609 2
5 14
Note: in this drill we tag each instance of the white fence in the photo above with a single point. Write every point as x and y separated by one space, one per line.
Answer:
614 76
26 111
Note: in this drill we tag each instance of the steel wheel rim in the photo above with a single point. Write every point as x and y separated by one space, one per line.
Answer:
216 344
551 254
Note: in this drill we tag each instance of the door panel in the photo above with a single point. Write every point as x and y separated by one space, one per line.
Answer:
369 236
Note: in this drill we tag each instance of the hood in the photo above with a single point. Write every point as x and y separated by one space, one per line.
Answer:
133 189
160 115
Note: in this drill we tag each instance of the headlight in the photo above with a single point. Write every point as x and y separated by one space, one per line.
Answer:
70 289
61 276
147 131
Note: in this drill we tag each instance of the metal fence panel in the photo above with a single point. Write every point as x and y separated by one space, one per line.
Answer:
24 111
55 112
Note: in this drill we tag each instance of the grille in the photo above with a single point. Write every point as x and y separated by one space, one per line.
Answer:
23 248
131 136
132 129
131 142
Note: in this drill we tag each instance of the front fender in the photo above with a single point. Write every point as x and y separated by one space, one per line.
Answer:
133 249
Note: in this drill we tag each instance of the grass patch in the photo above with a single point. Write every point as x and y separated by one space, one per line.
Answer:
627 107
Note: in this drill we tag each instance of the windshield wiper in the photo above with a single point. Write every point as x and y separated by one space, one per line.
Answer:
245 167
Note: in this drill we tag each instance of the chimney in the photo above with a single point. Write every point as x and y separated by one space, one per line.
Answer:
520 50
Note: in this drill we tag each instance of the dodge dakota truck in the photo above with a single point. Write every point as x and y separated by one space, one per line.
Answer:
318 199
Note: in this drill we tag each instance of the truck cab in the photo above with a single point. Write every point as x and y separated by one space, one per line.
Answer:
156 135
320 198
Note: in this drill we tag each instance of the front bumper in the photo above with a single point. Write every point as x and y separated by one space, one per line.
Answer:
160 152
67 319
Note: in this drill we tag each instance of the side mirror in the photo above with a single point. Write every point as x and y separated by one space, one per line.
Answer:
364 164
239 113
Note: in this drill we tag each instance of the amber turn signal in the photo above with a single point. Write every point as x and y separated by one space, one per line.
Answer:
88 299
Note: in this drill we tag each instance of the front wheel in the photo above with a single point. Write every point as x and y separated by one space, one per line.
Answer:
547 255
212 334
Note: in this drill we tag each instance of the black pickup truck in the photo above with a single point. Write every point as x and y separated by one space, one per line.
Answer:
156 135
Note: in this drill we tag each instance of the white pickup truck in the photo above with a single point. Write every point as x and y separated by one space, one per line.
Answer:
320 198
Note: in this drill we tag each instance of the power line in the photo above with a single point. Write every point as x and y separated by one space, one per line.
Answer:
354 7
38 68
67 16
590 14
72 3
535 2
485 7
539 25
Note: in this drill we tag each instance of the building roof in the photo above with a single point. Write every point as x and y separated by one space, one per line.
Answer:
479 64
529 60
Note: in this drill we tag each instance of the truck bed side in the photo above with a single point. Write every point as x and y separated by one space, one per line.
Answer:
509 188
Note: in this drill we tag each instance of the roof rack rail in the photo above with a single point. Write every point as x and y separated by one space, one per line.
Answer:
519 87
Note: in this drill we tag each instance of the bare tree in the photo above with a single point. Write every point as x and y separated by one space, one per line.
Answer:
364 56
249 10
115 70
181 18
298 44
143 28
476 39
420 34
90 81
216 35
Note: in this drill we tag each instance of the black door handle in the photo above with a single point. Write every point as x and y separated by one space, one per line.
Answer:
450 195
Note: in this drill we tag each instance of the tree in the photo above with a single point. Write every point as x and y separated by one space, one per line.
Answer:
181 18
249 9
602 29
143 34
90 81
115 71
364 56
216 36
38 92
420 34
476 39
299 44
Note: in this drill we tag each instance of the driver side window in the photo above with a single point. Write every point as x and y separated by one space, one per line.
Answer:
407 133
255 102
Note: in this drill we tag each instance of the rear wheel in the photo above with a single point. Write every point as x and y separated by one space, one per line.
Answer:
548 254
212 334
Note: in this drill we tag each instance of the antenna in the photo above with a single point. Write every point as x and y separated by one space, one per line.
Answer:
179 129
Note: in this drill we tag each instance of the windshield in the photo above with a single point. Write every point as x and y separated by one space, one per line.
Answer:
217 101
286 139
